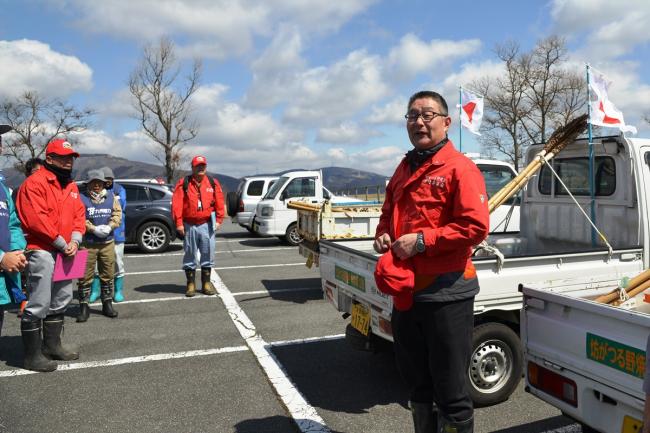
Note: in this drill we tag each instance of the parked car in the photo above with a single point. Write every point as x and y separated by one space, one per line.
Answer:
241 204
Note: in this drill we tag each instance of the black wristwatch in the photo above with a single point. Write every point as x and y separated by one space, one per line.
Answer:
419 243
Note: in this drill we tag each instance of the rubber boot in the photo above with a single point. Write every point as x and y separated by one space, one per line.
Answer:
425 418
52 347
118 296
34 359
95 289
206 284
107 308
190 274
84 312
447 426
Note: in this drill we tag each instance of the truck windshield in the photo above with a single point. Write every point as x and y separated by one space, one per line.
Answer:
277 186
496 177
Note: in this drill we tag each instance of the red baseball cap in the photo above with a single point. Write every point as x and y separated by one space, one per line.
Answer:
60 147
396 277
198 160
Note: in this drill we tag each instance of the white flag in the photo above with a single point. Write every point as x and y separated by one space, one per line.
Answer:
603 111
471 111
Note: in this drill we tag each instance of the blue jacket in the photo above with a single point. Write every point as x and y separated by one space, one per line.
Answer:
119 233
10 290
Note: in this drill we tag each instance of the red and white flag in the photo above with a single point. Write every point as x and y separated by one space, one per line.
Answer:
603 111
471 111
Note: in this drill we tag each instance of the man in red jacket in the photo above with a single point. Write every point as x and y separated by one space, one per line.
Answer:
53 219
198 211
434 212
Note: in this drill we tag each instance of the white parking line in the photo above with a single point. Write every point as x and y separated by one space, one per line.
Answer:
246 250
130 360
269 292
307 340
225 268
303 414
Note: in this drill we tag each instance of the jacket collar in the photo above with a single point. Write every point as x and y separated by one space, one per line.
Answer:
439 159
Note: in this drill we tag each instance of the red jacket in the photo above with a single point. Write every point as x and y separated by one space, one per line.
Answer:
446 200
46 210
185 207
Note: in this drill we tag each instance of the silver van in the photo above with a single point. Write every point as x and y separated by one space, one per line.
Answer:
241 204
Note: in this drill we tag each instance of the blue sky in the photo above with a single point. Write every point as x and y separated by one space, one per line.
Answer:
305 83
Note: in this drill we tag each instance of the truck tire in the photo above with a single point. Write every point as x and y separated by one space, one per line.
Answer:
496 364
232 203
153 237
292 237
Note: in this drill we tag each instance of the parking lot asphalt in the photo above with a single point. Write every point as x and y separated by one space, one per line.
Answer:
265 355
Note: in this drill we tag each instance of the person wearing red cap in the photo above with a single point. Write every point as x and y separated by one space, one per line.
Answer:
434 212
54 221
198 211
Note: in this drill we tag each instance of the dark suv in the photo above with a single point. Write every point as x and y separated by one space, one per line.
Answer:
148 215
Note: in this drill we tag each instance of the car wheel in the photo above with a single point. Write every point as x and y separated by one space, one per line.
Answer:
232 203
153 237
292 237
496 364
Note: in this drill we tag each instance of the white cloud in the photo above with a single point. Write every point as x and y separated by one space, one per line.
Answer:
346 132
390 113
34 66
413 55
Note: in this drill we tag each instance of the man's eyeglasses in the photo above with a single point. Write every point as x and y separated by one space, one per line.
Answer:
427 116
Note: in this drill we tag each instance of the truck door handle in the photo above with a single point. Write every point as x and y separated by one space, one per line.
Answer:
140 207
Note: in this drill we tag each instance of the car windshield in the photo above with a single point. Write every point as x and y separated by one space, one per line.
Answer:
277 186
496 177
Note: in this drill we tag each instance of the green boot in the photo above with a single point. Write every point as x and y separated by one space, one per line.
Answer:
95 289
118 296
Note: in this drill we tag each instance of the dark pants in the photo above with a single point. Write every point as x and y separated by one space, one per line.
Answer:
433 345
2 318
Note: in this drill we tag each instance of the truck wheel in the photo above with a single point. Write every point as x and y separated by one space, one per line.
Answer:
292 237
153 237
496 364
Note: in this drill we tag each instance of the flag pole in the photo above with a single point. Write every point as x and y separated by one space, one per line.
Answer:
592 193
460 122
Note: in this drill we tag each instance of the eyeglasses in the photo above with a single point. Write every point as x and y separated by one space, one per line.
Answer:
427 116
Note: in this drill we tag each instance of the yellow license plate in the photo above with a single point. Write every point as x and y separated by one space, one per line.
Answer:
631 425
360 318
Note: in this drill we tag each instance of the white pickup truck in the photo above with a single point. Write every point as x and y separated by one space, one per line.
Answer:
553 246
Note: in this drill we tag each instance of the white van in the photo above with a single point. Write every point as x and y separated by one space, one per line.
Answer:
241 204
274 218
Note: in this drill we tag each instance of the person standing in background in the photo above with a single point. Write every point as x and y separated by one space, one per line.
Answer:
119 235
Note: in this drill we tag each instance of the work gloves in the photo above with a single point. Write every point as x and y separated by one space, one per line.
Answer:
102 231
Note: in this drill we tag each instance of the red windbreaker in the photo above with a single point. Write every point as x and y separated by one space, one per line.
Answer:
46 210
185 207
445 199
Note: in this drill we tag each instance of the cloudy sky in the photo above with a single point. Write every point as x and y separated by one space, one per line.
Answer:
304 83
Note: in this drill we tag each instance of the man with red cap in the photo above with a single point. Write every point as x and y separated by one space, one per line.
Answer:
434 212
198 211
54 221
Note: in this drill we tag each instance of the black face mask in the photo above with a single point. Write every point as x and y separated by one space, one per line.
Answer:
63 176
417 157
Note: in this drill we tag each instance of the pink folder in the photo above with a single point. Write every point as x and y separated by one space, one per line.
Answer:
70 268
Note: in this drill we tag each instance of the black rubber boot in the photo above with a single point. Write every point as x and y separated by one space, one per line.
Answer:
447 426
425 418
84 312
206 284
190 275
52 347
107 308
34 359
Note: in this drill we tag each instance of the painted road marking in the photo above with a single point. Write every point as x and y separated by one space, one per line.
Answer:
303 414
246 250
225 268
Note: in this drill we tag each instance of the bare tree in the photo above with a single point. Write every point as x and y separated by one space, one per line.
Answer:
535 95
37 120
163 108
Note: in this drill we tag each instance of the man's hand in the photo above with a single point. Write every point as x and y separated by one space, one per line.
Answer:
13 261
404 247
217 226
71 249
382 243
181 230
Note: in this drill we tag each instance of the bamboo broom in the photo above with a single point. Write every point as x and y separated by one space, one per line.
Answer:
635 286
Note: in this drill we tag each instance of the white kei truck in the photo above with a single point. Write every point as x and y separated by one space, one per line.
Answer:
555 245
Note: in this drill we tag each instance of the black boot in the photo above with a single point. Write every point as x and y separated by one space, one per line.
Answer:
52 347
447 426
190 275
84 312
425 418
206 285
34 359
107 308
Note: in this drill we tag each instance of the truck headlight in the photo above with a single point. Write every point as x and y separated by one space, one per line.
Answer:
267 211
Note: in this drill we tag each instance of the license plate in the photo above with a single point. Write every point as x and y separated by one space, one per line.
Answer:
360 318
631 425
